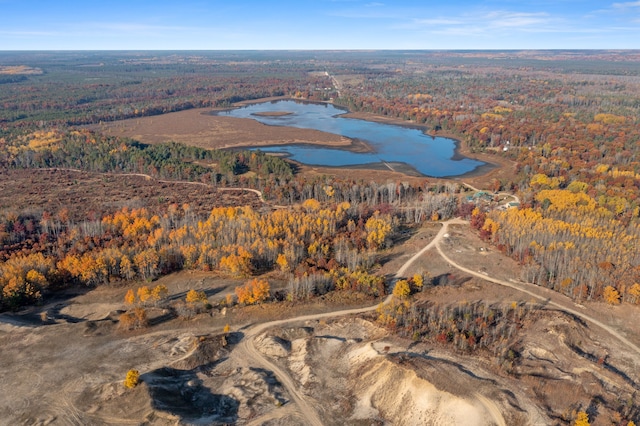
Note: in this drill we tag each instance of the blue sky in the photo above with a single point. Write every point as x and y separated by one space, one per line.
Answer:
318 24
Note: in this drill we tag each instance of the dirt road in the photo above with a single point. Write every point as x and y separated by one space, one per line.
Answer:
553 299
246 348
183 182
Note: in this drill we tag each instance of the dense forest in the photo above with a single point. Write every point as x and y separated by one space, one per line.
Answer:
567 120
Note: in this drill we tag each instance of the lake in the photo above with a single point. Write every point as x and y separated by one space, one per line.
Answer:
392 146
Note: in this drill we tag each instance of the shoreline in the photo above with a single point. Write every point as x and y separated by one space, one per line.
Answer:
491 164
242 133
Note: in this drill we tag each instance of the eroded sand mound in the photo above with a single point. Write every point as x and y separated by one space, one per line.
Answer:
363 378
388 390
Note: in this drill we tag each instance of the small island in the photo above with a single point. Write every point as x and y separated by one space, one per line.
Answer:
272 113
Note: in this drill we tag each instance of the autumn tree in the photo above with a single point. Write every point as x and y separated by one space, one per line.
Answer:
378 230
611 295
132 379
130 297
238 263
402 289
582 419
634 293
144 294
282 262
195 296
159 292
147 262
417 282
134 319
127 270
253 292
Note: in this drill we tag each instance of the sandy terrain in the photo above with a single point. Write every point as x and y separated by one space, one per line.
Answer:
318 362
329 367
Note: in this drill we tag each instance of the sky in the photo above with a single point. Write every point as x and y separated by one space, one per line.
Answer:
317 24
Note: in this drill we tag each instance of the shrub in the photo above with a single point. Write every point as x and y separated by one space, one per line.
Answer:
136 319
132 379
194 296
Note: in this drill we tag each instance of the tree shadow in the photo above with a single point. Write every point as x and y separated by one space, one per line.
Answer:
605 364
49 312
208 292
169 315
449 279
180 393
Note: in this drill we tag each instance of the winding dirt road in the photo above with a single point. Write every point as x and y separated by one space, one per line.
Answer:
182 182
247 350
533 290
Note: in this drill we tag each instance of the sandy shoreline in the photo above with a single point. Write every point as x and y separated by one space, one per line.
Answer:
206 128
461 151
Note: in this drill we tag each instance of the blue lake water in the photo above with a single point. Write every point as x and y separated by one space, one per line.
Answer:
390 144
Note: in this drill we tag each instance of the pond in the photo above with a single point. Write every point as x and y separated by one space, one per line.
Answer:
393 147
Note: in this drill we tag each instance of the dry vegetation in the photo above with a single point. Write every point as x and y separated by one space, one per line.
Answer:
349 370
92 195
200 127
247 331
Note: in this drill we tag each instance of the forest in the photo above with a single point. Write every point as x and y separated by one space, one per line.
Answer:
566 120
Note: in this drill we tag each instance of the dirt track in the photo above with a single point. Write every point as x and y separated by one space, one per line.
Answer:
247 350
552 298
247 347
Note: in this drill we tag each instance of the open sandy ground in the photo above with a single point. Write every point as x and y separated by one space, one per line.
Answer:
319 366
64 363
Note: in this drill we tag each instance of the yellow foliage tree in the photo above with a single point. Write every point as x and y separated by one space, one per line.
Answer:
418 281
609 118
282 262
328 189
237 264
144 294
126 268
611 295
159 292
37 278
132 379
194 296
582 419
402 289
634 293
543 181
378 229
311 205
130 297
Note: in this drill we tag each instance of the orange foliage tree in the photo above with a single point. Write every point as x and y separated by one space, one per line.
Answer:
253 292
